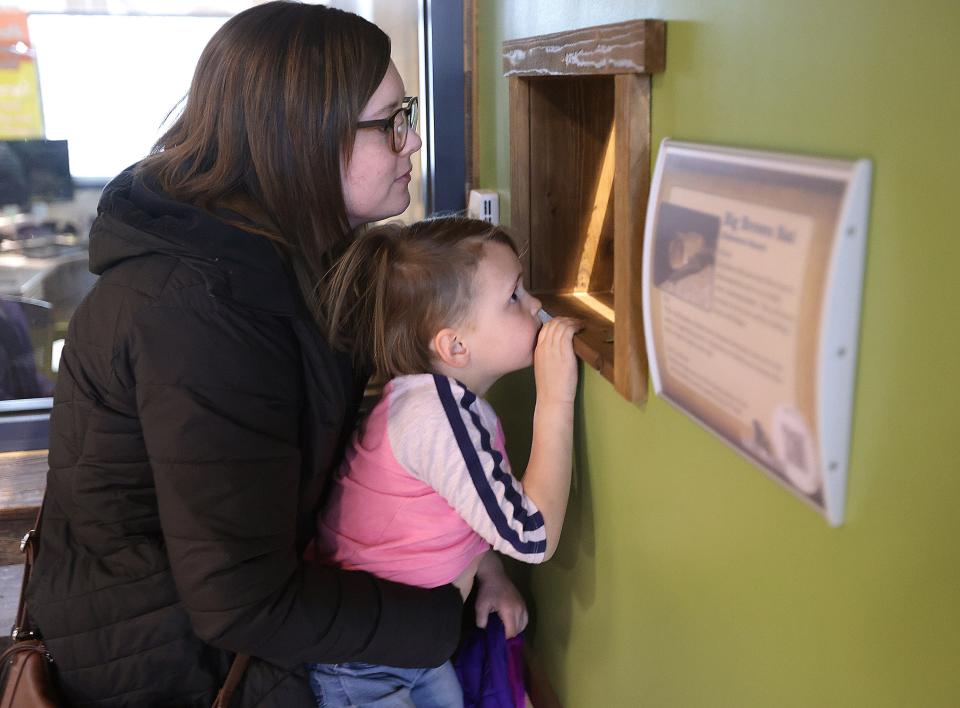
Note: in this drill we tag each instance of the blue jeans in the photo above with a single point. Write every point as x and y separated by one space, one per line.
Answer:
356 685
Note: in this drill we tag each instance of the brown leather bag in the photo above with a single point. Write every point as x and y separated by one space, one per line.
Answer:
27 672
27 678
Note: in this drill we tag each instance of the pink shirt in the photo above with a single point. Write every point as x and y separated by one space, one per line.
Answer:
426 487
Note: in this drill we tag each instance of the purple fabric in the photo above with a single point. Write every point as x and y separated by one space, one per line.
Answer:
490 667
515 670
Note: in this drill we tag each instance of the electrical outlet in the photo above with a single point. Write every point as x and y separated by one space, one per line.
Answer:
484 204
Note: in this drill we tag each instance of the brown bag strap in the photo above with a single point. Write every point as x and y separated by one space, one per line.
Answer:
232 681
28 546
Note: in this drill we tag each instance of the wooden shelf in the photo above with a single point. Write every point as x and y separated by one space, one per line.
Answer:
580 176
23 477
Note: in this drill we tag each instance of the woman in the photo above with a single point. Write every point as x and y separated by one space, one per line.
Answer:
199 412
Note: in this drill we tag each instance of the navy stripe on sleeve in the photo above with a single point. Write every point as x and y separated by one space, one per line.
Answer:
530 522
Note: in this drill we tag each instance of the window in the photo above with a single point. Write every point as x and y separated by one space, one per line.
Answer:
108 82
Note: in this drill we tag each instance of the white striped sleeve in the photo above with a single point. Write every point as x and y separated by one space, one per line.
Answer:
442 434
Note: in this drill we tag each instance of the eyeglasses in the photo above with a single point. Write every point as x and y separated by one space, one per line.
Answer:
398 124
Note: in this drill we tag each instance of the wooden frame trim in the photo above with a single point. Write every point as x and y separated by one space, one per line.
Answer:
520 170
631 185
471 97
627 53
632 47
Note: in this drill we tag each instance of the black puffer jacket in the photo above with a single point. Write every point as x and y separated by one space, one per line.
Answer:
197 415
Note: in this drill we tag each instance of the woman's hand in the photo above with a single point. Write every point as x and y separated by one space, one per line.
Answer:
554 363
497 594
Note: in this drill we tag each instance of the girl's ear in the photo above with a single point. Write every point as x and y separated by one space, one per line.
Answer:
448 348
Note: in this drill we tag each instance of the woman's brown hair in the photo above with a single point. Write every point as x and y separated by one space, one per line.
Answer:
396 286
270 116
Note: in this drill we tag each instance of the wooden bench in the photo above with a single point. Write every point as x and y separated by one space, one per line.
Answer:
23 476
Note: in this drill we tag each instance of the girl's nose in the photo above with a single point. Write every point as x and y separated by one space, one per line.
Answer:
534 305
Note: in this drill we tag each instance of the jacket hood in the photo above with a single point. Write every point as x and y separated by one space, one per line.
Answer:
135 218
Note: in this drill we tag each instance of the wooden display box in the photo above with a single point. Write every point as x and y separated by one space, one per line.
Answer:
580 176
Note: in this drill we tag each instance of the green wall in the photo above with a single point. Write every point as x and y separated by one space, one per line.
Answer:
685 576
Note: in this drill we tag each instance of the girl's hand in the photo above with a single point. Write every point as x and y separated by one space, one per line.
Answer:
554 363
497 594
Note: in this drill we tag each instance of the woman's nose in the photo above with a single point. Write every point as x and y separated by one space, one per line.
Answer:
413 143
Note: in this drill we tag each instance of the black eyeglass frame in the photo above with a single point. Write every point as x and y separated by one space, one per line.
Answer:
410 107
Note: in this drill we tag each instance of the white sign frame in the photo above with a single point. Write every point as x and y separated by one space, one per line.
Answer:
752 278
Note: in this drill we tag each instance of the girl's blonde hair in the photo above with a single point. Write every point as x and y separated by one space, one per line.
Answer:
396 286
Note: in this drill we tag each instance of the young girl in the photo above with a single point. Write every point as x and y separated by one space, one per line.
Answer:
426 489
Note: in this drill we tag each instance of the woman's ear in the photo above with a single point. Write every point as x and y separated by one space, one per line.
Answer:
448 348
